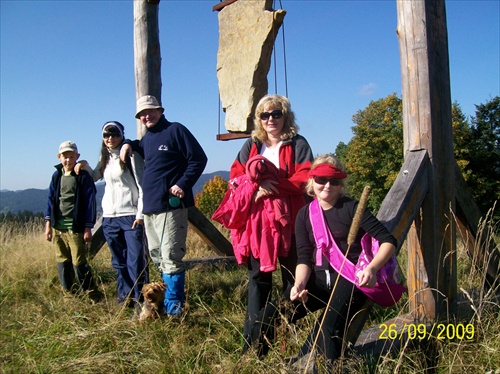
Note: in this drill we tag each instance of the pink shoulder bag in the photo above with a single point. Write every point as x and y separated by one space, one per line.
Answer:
388 289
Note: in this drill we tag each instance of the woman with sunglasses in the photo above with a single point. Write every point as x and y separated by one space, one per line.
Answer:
315 278
122 213
275 137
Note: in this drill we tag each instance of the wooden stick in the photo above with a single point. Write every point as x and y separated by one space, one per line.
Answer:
356 221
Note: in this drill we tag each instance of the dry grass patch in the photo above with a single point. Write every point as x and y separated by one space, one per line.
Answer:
44 331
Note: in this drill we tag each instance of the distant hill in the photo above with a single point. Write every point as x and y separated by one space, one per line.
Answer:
35 200
198 187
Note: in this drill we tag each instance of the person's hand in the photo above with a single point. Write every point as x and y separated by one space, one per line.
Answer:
87 235
81 165
268 185
176 191
258 195
296 293
125 151
137 222
367 277
48 231
266 188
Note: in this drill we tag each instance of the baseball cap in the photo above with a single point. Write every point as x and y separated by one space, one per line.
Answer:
67 146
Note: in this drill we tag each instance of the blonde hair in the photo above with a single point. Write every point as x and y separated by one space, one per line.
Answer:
325 159
290 128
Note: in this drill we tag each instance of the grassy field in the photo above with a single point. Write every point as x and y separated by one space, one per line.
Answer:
44 331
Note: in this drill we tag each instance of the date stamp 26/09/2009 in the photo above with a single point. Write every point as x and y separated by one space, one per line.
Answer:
422 331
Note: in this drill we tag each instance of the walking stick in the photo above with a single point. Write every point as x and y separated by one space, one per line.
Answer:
351 237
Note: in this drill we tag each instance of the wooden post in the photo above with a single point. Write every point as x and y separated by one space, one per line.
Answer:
209 233
147 56
147 62
423 42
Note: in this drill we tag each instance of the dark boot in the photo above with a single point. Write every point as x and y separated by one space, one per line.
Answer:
84 274
87 284
66 275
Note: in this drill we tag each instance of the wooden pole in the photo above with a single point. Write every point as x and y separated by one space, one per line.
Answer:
147 56
423 42
147 63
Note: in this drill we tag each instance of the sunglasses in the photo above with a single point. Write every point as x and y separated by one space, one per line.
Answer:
325 180
275 114
108 135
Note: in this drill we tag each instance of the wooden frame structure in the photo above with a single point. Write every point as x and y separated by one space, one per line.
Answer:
429 200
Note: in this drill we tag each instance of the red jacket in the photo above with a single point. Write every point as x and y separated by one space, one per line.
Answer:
295 158
260 232
262 228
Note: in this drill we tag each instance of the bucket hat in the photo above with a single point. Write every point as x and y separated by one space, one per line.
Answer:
147 102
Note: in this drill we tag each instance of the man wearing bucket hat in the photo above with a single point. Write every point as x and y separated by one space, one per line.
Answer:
174 161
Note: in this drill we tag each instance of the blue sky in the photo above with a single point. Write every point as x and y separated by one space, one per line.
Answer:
68 66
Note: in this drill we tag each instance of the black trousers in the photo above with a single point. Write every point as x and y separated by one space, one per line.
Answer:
260 286
346 301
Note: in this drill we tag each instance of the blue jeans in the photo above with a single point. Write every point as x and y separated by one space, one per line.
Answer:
128 256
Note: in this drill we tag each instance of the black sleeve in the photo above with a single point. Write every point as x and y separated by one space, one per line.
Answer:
306 245
376 229
244 153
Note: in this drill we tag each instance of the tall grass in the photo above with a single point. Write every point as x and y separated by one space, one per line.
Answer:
44 331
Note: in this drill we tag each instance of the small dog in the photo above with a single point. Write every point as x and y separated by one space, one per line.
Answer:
154 294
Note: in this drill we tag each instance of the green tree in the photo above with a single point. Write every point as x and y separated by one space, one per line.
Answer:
211 196
483 167
375 153
461 139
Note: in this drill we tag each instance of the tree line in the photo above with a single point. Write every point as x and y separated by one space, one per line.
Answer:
20 217
374 156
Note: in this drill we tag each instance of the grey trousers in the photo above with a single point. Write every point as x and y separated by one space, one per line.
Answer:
166 233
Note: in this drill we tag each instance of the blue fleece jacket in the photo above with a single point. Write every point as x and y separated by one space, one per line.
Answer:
172 156
84 213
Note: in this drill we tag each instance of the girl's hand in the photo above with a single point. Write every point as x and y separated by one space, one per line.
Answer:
367 277
81 165
125 152
137 222
297 294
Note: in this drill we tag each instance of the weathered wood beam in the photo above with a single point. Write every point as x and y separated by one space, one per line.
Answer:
232 135
199 223
423 42
209 233
398 211
209 261
98 239
402 203
218 7
147 56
